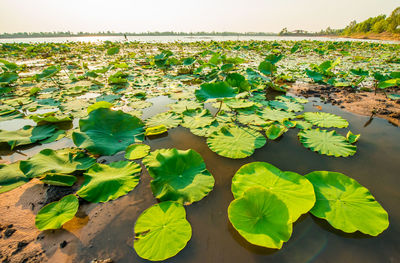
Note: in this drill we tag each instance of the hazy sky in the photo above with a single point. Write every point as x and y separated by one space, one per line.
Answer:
185 15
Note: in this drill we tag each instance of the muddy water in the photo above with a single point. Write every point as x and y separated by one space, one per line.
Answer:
106 230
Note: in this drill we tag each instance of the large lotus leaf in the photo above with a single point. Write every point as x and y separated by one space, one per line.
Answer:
184 105
137 151
179 176
276 115
303 125
235 142
11 177
64 161
27 135
161 231
193 119
346 204
108 182
261 218
151 158
286 105
107 132
326 142
216 90
169 119
293 189
54 215
267 68
325 120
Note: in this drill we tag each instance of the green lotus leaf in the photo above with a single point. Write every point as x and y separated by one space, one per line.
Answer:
179 176
303 125
7 78
193 119
54 215
59 179
169 119
108 182
267 68
314 75
291 99
48 73
27 135
238 103
161 231
261 218
206 131
184 105
216 90
346 204
140 104
9 66
276 115
394 96
326 142
235 142
253 119
275 131
137 151
325 120
286 105
238 81
9 113
293 189
151 160
50 117
107 132
11 177
289 124
112 51
160 129
188 61
389 83
64 161
352 138
98 105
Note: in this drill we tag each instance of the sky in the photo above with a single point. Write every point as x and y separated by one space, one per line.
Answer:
185 15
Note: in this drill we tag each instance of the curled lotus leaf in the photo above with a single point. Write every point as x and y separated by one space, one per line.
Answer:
346 204
193 119
11 177
352 138
261 218
326 142
105 182
179 176
235 142
325 120
107 132
156 130
275 131
161 231
293 189
169 119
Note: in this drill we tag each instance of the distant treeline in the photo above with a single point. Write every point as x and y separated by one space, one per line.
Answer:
327 32
109 33
378 24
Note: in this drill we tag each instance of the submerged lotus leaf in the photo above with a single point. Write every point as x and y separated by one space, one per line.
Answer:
54 215
325 120
235 142
64 161
286 105
137 151
169 119
216 90
105 182
293 189
11 177
184 105
193 119
276 115
261 218
275 131
179 176
161 231
27 135
326 142
346 204
107 132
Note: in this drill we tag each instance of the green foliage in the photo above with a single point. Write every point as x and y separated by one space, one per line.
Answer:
325 120
216 90
27 135
136 151
11 177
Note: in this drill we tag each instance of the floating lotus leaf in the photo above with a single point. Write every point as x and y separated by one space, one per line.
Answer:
64 161
9 113
137 151
292 99
98 105
394 96
346 204
293 189
352 138
326 142
54 215
48 73
276 115
107 132
325 120
160 129
261 218
27 135
59 179
235 142
112 51
105 182
140 104
253 119
238 103
193 119
275 131
184 105
50 117
303 125
286 105
11 177
179 176
216 90
7 78
169 119
206 131
161 231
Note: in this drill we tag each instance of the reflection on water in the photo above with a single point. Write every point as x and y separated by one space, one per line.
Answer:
109 231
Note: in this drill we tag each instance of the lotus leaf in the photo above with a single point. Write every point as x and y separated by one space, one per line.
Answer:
193 119
276 115
137 151
394 96
54 215
59 179
160 129
325 120
346 204
184 105
261 218
207 130
11 177
48 73
161 231
324 142
274 131
112 51
267 68
216 90
107 132
169 119
286 105
352 138
108 182
27 135
7 78
50 117
238 104
303 125
99 104
235 142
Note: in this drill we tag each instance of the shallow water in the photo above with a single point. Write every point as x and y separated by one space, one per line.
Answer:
108 228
